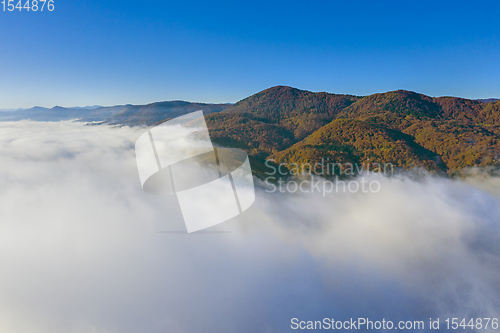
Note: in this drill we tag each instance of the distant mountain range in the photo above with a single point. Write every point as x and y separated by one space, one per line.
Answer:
120 114
152 113
488 100
289 125
59 113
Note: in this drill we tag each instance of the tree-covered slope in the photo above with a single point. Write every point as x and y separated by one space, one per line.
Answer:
354 141
275 119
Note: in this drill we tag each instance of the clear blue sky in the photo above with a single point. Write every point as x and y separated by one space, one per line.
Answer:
115 52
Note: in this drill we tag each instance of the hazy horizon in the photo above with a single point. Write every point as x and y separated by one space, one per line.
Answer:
91 105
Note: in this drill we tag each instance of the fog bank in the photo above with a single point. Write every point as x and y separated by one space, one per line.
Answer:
81 252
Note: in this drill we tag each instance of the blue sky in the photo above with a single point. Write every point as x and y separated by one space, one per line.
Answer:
108 52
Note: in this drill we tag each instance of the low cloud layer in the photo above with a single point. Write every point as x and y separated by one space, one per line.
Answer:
80 249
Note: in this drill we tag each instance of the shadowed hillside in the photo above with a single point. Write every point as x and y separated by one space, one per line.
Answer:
155 112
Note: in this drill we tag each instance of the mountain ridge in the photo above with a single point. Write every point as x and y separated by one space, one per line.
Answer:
289 125
404 128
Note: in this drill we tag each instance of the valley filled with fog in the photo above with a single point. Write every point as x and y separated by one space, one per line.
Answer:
84 249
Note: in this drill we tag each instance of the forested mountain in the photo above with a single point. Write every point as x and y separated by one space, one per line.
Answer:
400 127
